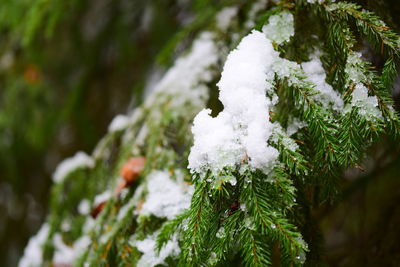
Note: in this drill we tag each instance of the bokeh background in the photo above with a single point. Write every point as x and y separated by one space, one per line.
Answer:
68 67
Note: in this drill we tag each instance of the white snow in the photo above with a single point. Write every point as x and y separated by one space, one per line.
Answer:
294 125
316 73
150 257
288 69
80 160
103 197
225 16
166 198
65 254
317 1
84 207
279 135
242 129
184 80
120 122
280 27
33 254
354 66
367 105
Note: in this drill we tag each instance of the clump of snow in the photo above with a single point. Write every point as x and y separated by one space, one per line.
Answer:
288 69
216 144
66 225
294 125
316 73
225 16
33 254
103 197
354 69
84 207
367 105
65 254
280 27
120 122
150 257
241 130
166 198
80 160
317 1
184 80
141 136
280 136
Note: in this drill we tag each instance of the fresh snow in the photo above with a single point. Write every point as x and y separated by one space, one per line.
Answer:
84 207
294 125
103 197
241 130
150 257
279 135
80 160
166 198
367 105
65 254
280 27
184 80
225 16
33 254
120 122
316 74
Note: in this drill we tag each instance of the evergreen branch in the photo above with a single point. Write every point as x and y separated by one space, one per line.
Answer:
226 241
168 229
270 221
339 41
389 73
254 252
381 37
292 159
199 217
320 126
351 141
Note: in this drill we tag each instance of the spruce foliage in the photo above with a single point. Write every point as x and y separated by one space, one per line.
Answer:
238 215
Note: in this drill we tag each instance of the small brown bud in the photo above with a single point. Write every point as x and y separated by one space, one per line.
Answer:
98 209
132 169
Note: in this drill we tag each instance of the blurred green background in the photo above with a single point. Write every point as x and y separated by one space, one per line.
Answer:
68 67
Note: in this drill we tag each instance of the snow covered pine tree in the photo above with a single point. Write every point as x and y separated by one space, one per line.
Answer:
300 106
